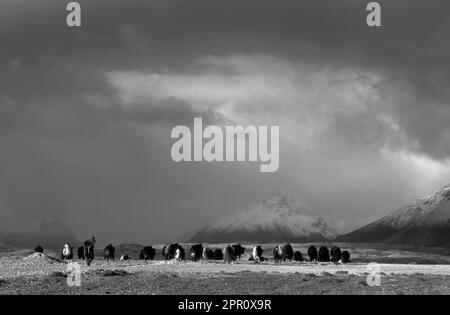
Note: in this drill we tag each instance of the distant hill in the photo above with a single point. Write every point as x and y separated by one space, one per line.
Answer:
49 233
276 220
426 222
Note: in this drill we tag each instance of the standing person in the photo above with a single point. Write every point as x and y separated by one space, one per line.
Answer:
89 250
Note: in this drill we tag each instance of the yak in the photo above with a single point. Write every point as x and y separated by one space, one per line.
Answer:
125 258
312 253
288 252
229 254
109 252
238 250
208 253
324 254
81 252
298 256
147 253
278 253
335 254
196 252
257 253
67 253
218 254
179 253
169 251
345 257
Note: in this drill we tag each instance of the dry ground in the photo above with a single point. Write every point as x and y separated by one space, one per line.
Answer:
403 271
137 277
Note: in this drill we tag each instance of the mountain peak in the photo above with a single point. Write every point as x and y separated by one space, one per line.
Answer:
278 218
284 204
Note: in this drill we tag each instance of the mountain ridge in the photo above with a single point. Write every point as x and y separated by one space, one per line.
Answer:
426 222
49 233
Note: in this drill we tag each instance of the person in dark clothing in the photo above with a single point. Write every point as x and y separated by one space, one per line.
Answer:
89 250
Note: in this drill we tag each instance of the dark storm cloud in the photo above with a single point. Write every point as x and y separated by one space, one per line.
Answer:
72 143
168 30
43 56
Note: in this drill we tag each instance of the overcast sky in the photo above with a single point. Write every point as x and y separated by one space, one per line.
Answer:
86 113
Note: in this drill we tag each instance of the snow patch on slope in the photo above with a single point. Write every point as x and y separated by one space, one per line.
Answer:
431 210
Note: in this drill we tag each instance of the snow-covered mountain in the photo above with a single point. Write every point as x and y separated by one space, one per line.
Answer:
424 223
47 232
276 220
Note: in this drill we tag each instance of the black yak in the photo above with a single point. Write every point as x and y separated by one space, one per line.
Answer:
39 249
109 252
324 254
218 254
196 252
298 256
81 252
312 253
345 257
229 254
335 254
208 253
288 252
147 253
238 250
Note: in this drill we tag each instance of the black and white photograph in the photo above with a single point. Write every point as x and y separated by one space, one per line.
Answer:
224 148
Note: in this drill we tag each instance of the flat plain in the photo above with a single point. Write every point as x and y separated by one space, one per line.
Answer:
401 271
